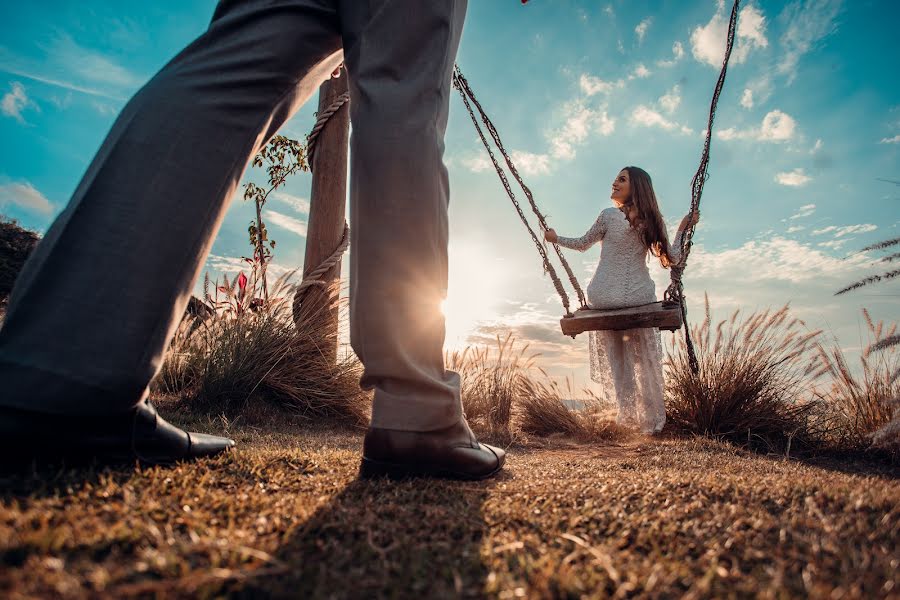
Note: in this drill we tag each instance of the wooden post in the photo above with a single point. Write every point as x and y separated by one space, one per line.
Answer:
326 211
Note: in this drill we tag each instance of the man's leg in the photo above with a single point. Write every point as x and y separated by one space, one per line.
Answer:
399 57
94 308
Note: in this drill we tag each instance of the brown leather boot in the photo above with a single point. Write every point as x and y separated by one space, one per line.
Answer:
451 453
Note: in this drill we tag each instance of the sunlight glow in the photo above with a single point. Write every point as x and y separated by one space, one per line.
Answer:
473 296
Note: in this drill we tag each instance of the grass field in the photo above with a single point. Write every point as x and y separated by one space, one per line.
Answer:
284 516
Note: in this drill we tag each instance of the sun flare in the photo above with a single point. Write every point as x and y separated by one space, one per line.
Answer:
473 294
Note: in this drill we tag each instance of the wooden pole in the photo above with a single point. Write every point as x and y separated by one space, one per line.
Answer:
326 211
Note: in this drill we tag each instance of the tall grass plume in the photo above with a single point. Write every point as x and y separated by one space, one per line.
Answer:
249 351
505 394
492 378
863 408
753 380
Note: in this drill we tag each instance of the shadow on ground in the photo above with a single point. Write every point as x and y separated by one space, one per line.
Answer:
369 541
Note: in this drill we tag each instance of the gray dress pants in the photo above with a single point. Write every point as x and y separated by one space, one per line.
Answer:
96 305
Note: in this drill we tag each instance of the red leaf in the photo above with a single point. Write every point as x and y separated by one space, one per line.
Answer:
242 281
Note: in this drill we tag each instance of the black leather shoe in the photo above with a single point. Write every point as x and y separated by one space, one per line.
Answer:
140 434
451 453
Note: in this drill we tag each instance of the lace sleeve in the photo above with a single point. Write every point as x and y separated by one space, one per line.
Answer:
593 235
675 247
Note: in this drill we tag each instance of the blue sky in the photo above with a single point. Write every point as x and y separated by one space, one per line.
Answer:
804 165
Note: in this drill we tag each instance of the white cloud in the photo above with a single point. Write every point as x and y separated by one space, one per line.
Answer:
670 101
833 244
795 228
301 205
731 134
776 126
604 124
62 102
775 259
641 29
761 88
226 264
708 41
103 108
846 230
530 163
752 27
477 163
67 65
817 147
285 222
54 81
640 72
580 121
126 33
232 265
747 99
609 10
647 117
91 65
15 101
808 22
804 211
795 178
893 140
24 195
677 54
828 229
591 85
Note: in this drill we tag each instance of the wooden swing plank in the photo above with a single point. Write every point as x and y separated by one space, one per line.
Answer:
634 317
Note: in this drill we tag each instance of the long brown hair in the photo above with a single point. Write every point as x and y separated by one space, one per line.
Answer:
649 221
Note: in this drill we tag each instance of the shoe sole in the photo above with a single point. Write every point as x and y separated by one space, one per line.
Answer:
374 469
80 454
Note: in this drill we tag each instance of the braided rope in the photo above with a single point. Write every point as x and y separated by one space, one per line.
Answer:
462 85
321 120
675 292
314 278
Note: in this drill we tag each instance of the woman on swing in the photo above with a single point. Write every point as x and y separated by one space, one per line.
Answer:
628 364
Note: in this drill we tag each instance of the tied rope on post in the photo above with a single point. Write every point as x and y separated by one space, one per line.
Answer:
675 292
321 120
314 278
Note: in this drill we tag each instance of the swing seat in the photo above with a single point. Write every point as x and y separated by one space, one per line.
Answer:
662 315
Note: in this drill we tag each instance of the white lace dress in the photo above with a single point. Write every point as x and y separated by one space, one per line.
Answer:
627 364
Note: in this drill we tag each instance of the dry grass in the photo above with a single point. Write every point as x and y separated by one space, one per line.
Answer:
506 397
889 275
284 517
240 355
754 373
492 380
544 414
860 406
